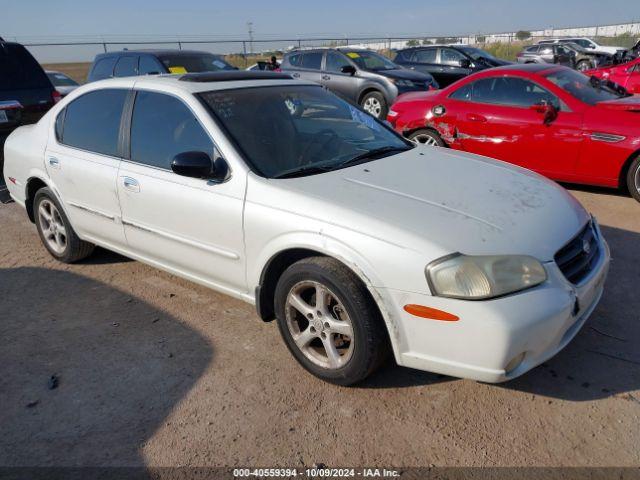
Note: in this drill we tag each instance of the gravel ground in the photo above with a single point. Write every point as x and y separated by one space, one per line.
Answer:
153 370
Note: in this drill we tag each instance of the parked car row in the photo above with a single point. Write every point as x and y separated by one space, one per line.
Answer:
357 241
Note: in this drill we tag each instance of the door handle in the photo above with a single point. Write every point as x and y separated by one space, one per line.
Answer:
54 162
295 75
474 117
131 184
326 77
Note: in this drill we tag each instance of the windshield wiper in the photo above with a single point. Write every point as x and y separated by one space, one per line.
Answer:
306 170
372 154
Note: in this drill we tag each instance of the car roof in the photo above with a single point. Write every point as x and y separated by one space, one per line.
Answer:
156 52
199 82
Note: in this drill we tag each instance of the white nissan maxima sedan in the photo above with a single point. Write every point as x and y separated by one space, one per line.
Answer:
357 241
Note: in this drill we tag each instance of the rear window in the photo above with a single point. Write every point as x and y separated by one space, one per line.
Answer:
103 68
19 70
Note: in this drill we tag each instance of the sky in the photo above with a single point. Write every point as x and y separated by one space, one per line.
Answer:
31 21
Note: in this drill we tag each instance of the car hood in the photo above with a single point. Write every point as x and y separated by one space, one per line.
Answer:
435 198
403 74
628 104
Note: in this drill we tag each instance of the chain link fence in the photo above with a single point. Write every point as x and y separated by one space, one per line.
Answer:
75 55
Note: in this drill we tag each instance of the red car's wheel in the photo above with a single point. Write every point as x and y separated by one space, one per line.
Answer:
427 137
633 179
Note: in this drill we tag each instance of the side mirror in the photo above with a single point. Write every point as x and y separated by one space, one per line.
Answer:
199 165
465 63
350 69
548 111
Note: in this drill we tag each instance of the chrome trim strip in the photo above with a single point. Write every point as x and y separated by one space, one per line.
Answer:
91 210
606 137
202 246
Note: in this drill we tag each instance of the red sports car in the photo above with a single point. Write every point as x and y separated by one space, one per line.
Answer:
547 118
625 74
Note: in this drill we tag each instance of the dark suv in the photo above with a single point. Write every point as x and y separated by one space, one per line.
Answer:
447 63
25 93
130 63
359 76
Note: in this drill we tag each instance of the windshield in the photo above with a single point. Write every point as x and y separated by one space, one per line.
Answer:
582 87
299 130
61 80
194 63
370 60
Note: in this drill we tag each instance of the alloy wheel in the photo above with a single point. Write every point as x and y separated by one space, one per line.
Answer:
52 226
372 106
319 325
425 139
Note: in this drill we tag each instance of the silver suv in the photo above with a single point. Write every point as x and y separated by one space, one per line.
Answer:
362 77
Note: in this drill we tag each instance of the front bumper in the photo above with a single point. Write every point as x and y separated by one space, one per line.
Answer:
498 340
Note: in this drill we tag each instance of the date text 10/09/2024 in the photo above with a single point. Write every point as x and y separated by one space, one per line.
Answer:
315 472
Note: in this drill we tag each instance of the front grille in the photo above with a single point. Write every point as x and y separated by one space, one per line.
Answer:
578 257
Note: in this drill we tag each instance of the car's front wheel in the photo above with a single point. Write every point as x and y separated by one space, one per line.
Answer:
633 179
329 321
374 104
55 230
427 137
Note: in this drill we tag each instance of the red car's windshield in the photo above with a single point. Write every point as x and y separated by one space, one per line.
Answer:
584 88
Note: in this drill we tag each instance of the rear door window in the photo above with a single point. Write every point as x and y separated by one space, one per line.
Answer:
162 126
92 121
312 60
103 68
126 67
425 56
19 70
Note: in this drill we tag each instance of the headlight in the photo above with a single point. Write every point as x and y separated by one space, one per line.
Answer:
482 277
403 83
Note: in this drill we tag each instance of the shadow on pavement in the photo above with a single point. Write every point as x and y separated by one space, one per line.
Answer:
121 367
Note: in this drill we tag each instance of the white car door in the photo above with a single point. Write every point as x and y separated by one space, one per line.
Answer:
82 160
189 225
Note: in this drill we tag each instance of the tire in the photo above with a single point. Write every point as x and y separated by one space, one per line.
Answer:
362 345
427 137
55 230
374 104
583 65
633 178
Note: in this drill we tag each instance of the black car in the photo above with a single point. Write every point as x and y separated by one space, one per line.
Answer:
585 59
360 76
130 63
447 63
26 93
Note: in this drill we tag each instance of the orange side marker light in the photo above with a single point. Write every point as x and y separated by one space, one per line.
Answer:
430 313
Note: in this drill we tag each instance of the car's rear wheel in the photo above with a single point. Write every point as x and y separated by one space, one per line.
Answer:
427 137
329 321
633 178
374 104
55 230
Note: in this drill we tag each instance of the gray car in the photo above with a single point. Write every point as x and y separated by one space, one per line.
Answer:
547 53
362 77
